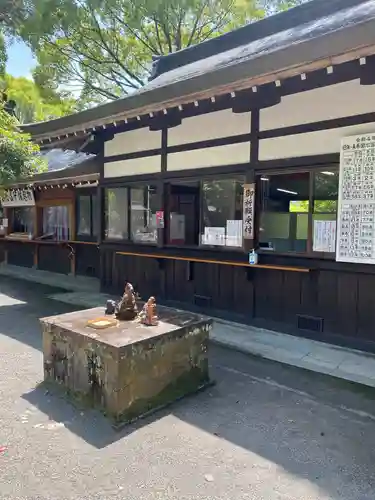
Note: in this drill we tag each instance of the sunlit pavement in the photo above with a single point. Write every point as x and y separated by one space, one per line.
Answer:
264 431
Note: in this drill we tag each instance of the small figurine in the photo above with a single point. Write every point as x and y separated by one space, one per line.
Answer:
148 315
126 309
110 307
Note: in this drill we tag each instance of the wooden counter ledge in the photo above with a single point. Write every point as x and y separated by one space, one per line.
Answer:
223 262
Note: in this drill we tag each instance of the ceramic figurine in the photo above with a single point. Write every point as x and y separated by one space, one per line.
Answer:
126 309
148 315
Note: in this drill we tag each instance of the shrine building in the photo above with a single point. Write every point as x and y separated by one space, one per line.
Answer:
261 139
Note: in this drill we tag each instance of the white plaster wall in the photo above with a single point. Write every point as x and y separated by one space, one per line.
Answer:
210 157
311 143
136 166
209 126
133 141
336 101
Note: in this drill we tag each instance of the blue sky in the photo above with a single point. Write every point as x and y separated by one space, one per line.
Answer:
20 60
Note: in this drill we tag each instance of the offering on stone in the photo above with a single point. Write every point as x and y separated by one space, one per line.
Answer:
126 309
148 315
101 323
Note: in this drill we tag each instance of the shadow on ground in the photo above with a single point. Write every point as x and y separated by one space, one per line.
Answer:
22 304
292 418
313 426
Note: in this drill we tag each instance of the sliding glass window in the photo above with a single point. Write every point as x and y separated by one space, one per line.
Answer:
143 208
297 211
116 214
221 214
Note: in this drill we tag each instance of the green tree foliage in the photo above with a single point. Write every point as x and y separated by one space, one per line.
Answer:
34 102
104 48
18 155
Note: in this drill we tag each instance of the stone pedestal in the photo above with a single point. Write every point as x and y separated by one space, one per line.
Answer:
126 370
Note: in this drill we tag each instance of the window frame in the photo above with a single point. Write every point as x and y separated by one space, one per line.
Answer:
85 237
10 215
236 175
312 171
128 186
161 186
140 185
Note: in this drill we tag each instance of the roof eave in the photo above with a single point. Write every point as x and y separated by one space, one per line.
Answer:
329 50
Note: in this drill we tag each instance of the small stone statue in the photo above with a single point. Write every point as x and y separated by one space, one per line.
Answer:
148 315
110 307
126 309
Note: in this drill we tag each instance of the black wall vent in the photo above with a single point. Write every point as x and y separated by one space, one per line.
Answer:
202 301
310 323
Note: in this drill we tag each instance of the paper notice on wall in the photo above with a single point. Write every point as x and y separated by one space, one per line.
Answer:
356 204
214 236
324 236
234 233
177 228
5 222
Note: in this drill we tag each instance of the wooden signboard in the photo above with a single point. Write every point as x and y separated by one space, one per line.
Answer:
248 211
19 198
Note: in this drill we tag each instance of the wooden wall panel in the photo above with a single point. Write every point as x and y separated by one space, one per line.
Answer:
291 296
2 250
366 307
243 292
177 285
347 304
106 277
54 195
327 299
269 294
54 258
142 272
345 300
87 260
20 254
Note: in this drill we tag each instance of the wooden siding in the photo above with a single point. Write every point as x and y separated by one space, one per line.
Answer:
20 254
54 258
344 300
87 260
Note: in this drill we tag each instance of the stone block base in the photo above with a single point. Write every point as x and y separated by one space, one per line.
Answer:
127 370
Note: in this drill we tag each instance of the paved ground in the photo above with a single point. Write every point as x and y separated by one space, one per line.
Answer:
265 431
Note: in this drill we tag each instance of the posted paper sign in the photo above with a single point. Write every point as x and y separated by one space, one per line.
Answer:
356 208
214 236
160 219
324 236
234 233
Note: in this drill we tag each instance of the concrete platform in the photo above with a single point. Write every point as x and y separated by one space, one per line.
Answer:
127 370
340 362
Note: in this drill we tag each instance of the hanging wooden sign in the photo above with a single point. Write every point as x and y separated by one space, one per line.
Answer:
19 198
248 211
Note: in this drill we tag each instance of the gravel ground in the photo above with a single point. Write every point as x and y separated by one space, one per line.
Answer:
264 431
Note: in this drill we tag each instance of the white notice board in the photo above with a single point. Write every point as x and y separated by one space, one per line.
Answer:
356 206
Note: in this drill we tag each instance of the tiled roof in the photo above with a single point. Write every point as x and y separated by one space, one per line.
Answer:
319 30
